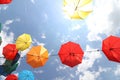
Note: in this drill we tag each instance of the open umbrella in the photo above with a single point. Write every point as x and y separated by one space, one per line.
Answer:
23 42
11 77
71 54
15 60
5 1
2 72
8 68
25 75
76 9
111 48
10 51
37 56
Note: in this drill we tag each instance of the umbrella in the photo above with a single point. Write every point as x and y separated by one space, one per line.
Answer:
76 9
37 56
11 77
111 48
10 51
71 54
5 1
23 42
0 40
25 75
8 68
2 72
17 57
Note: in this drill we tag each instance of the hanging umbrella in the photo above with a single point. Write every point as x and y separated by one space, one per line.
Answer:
5 1
71 54
8 68
11 77
25 75
0 40
23 42
2 72
10 51
76 9
111 48
17 57
37 56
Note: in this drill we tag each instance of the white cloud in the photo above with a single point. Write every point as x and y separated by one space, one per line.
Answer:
92 75
38 71
33 1
3 7
93 36
117 71
37 42
43 36
76 27
59 78
88 60
104 19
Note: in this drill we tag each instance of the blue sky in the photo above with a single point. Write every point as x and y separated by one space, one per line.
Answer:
48 26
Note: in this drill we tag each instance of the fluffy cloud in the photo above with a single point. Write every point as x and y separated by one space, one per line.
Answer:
88 60
104 19
117 71
33 1
92 75
3 7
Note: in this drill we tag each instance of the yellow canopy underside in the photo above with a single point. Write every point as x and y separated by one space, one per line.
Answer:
77 14
23 42
80 15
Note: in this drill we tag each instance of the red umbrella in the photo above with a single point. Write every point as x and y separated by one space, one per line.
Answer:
5 1
11 77
71 54
111 48
10 51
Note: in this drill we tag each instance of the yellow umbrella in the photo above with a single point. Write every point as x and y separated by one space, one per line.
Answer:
76 9
37 56
23 42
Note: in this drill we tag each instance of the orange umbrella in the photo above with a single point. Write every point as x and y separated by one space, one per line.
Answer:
37 56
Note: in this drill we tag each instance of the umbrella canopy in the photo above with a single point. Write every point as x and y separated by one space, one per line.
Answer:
10 51
2 72
8 68
23 42
17 57
5 1
11 77
37 56
76 9
111 48
71 54
25 75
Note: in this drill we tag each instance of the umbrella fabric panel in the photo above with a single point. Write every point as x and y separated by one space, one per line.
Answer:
5 1
11 77
70 54
23 41
10 51
111 48
25 75
37 56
